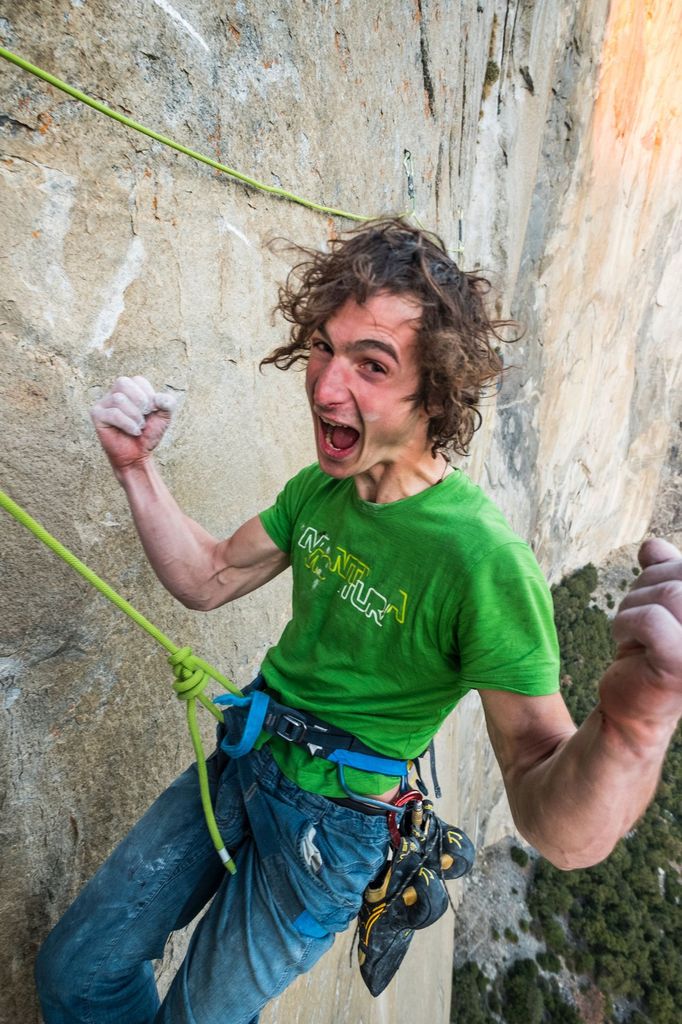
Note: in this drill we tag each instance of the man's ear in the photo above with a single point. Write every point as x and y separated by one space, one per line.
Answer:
433 409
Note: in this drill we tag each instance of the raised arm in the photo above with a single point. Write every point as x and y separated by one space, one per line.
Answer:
197 569
574 793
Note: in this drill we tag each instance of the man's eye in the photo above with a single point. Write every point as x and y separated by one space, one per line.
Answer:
375 367
320 344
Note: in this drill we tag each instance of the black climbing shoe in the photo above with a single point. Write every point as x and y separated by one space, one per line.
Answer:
409 893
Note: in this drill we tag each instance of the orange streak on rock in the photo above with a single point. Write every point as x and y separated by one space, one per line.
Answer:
637 129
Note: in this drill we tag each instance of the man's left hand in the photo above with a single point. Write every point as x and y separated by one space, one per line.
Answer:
642 689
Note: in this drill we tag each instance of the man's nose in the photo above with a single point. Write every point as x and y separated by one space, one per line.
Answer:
331 386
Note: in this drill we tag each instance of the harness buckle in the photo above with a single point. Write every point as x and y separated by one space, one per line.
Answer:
291 729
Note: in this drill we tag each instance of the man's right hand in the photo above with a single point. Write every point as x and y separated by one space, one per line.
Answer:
130 420
197 569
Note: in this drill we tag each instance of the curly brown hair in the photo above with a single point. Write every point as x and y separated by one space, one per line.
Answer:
455 336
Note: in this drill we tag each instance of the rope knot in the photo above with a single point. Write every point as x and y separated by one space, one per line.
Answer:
190 676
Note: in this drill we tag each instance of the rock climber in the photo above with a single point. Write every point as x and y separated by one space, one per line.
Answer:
409 590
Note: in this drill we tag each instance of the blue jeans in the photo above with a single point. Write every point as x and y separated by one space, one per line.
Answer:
95 966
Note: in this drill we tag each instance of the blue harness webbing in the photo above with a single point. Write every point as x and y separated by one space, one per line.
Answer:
260 712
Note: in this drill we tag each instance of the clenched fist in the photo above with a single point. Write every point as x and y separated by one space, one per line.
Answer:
130 420
643 687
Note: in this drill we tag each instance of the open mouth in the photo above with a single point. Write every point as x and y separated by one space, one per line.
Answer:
337 439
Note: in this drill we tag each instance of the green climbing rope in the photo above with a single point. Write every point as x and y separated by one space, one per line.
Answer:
14 58
191 673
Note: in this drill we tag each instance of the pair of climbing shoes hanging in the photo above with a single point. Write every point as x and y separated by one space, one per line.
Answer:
409 892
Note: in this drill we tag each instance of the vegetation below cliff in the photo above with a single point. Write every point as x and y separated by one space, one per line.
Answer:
598 945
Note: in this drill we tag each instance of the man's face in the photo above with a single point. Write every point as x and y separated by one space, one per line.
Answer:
361 371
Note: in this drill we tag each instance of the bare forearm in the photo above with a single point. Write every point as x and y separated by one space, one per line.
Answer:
574 793
576 804
200 571
179 550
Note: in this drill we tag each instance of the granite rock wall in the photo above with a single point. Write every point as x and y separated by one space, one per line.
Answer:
553 128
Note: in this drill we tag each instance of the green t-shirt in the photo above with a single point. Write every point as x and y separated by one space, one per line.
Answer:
399 610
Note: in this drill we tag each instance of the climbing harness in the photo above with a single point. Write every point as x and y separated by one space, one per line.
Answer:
260 712
256 711
409 892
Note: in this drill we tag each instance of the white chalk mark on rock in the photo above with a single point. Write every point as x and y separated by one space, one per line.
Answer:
114 306
224 225
10 669
176 16
11 696
55 222
39 259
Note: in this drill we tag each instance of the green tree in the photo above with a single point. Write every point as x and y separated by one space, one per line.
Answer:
519 856
556 1010
522 1000
468 1001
